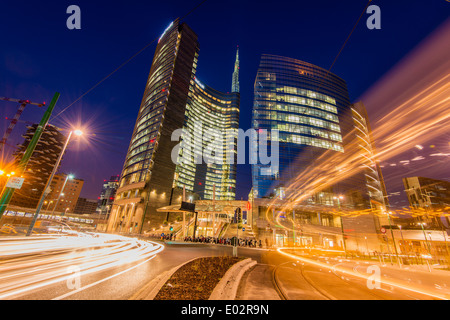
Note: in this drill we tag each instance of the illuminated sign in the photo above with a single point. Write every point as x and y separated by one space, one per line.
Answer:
15 182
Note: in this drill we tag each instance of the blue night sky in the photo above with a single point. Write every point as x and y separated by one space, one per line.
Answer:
39 56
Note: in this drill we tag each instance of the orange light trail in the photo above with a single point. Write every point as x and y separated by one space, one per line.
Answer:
33 263
418 116
350 272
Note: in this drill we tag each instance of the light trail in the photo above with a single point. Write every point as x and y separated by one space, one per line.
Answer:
413 103
29 264
351 272
397 133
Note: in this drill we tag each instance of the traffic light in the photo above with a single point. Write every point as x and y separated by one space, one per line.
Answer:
237 215
171 228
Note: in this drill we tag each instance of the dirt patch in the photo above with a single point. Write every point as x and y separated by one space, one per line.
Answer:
197 279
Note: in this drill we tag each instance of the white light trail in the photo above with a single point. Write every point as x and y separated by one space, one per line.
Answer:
33 263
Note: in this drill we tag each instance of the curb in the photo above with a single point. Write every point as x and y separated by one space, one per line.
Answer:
151 289
227 287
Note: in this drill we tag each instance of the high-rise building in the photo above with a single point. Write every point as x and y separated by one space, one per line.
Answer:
235 80
85 206
64 192
212 120
309 107
376 189
40 165
307 111
172 100
430 200
106 198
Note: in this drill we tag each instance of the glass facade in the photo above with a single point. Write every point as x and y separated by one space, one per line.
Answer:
374 182
146 182
209 110
150 117
151 178
307 105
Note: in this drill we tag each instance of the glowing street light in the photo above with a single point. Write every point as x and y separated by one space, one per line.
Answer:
8 175
41 202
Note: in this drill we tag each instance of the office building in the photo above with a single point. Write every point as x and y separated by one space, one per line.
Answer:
173 100
85 206
209 110
40 164
317 146
64 192
430 200
106 198
308 106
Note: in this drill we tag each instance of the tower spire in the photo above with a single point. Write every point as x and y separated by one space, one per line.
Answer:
235 82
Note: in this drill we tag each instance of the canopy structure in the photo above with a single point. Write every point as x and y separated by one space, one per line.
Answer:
215 210
209 206
173 208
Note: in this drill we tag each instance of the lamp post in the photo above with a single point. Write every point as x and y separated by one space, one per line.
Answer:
69 176
342 224
393 239
425 236
49 203
41 202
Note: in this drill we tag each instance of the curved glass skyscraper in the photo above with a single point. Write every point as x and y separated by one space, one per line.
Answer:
306 104
173 100
212 121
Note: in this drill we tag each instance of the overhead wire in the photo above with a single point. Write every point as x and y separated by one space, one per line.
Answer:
123 64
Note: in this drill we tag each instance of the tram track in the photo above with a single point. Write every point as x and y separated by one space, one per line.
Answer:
318 289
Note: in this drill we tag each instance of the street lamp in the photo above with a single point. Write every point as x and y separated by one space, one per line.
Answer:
69 176
342 224
8 175
426 240
392 234
47 186
49 203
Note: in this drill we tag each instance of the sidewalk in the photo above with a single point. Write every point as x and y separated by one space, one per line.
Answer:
256 284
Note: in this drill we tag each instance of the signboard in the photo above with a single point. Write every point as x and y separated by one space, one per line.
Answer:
15 182
383 230
187 206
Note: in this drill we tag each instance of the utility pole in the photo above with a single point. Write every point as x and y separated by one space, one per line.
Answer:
8 192
237 214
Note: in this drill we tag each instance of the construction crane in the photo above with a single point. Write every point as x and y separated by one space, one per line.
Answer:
23 104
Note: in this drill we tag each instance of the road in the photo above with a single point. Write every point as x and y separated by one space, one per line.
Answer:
303 276
88 267
111 267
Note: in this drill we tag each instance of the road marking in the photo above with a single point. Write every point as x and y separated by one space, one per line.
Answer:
357 274
107 278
